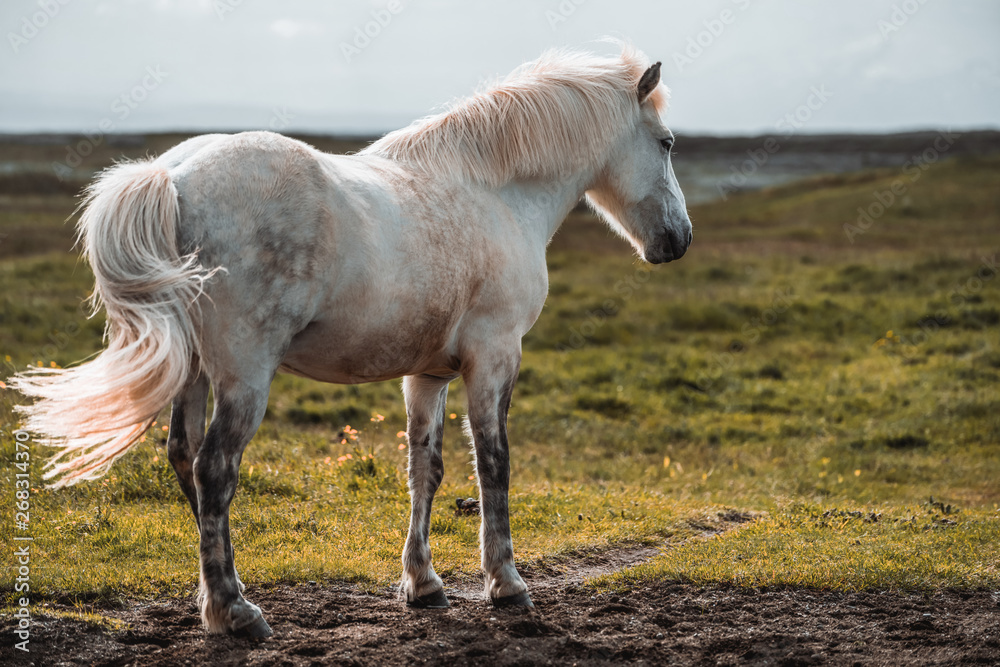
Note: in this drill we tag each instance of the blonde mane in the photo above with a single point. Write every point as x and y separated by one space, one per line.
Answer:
548 118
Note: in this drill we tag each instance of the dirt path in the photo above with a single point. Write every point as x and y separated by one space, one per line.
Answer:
667 623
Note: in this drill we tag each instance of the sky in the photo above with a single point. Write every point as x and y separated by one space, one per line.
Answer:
362 67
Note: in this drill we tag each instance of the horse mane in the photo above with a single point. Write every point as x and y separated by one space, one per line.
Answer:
547 118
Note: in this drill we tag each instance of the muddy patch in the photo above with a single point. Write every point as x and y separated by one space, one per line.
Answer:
662 624
668 623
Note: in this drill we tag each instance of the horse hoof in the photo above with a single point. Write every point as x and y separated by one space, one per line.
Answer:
259 629
518 600
435 600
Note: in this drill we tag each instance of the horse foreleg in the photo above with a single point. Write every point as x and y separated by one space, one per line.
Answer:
237 416
490 384
425 406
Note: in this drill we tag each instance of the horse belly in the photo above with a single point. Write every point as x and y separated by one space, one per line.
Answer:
351 350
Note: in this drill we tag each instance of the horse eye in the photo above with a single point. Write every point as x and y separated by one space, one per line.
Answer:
667 143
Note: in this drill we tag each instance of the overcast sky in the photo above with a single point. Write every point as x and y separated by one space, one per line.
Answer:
734 66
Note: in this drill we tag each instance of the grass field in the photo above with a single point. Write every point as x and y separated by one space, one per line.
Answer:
841 391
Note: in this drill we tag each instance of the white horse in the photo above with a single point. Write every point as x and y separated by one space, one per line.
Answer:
232 257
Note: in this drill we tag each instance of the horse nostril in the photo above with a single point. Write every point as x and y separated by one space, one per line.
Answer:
690 236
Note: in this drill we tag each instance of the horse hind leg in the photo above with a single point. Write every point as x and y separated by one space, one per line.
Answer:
425 407
239 409
187 432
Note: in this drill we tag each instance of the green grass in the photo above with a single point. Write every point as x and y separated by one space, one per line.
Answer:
93 619
777 368
804 546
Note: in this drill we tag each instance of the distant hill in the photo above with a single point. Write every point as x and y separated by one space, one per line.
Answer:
709 168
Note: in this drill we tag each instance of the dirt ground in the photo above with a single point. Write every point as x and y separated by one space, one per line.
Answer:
668 623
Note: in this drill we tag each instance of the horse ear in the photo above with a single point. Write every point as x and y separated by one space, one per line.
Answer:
648 82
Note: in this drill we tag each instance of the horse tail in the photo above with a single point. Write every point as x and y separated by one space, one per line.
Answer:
96 411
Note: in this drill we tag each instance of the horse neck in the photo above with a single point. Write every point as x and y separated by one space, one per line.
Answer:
540 206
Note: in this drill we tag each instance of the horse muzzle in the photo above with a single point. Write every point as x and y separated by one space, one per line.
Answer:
668 246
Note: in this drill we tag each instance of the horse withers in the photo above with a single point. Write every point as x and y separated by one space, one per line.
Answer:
232 257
